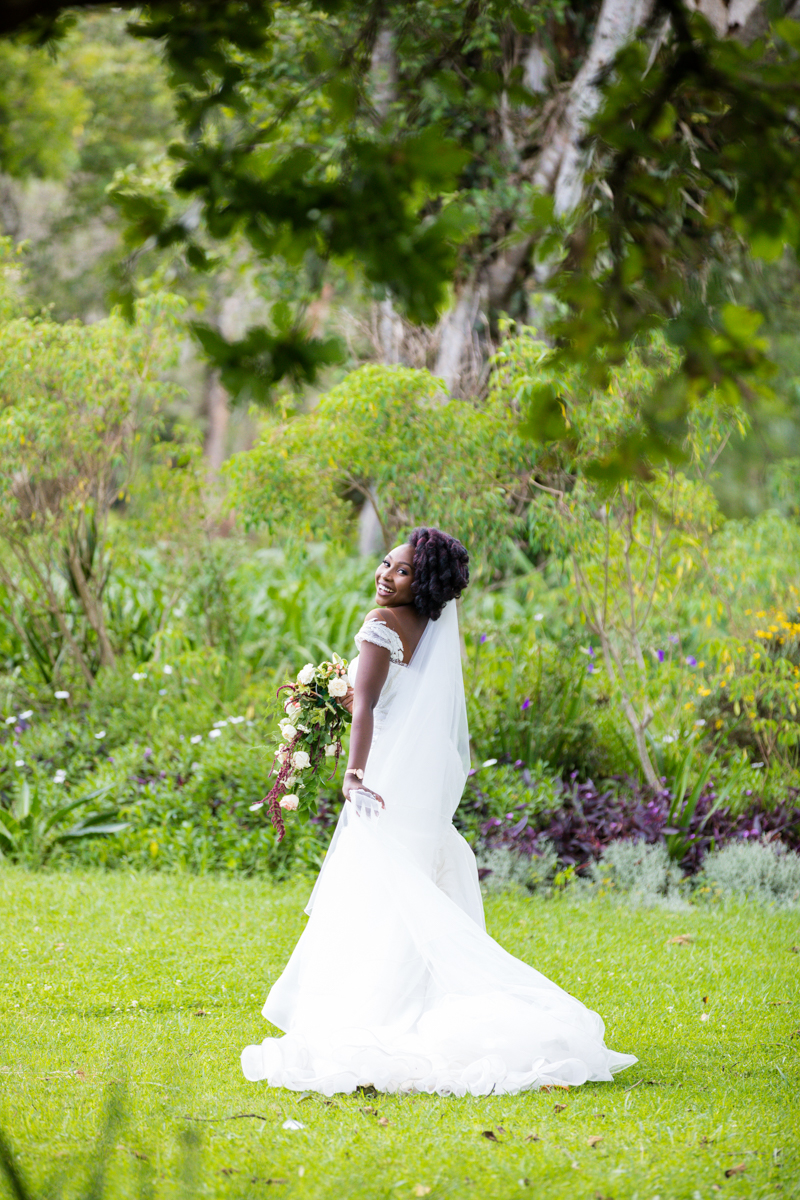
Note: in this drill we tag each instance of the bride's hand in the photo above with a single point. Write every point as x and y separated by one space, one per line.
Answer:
358 786
347 700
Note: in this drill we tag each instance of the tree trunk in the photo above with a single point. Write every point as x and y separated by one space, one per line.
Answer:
217 414
559 170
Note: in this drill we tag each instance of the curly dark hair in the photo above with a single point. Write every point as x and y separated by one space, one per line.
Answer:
441 570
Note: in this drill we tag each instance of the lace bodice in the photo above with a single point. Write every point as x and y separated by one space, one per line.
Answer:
380 634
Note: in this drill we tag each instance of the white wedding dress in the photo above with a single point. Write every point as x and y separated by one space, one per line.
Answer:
394 981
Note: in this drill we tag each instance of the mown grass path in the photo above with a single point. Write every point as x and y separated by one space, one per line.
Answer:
157 981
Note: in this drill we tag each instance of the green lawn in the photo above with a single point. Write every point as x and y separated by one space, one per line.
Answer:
157 982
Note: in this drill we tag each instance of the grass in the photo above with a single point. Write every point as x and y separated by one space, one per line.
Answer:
156 982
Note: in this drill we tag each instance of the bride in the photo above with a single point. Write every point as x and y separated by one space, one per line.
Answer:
394 981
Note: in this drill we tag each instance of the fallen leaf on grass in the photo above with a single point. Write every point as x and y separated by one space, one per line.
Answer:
739 1169
135 1153
81 1074
421 1190
532 1137
370 1112
594 1140
500 1129
490 1135
383 1121
559 1107
680 939
201 1012
367 1092
227 1170
795 949
778 1003
599 1116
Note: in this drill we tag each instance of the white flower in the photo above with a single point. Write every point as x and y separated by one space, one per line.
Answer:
167 669
220 724
300 760
255 807
61 695
291 706
330 750
538 616
19 762
101 733
337 686
26 716
290 802
213 733
288 730
59 776
490 762
235 720
10 720
307 673
198 737
138 675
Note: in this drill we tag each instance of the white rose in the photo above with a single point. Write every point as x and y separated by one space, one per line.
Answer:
291 706
288 731
307 673
330 750
300 760
337 686
290 802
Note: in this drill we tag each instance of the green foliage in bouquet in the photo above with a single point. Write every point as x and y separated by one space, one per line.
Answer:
311 733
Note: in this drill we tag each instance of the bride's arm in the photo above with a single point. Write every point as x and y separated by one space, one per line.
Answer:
373 667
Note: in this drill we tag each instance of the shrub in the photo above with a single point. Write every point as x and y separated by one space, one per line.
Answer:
641 871
501 868
760 870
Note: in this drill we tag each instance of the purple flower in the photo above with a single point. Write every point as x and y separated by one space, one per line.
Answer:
660 655
526 704
591 651
673 637
691 661
483 638
474 771
590 668
148 753
519 763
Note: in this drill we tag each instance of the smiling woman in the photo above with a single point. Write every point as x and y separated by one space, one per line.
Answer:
394 982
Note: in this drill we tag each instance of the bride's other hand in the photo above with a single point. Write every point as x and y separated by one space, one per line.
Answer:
347 701
355 787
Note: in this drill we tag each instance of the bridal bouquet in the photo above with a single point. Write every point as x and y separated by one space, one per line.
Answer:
309 735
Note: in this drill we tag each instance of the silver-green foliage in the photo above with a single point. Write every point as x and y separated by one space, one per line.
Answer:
764 871
644 873
509 869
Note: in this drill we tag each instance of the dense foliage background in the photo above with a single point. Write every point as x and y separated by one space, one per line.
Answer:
216 413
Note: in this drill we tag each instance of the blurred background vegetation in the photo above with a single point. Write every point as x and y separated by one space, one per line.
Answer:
212 427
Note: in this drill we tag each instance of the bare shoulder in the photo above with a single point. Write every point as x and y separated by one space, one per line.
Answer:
382 615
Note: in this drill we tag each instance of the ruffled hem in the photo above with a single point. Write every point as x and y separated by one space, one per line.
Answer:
358 1061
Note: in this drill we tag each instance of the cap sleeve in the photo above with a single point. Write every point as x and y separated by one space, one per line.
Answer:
380 634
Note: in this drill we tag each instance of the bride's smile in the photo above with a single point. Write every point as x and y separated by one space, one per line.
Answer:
394 578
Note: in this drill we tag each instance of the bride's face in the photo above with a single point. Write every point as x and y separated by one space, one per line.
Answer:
394 577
